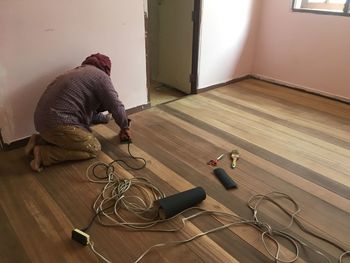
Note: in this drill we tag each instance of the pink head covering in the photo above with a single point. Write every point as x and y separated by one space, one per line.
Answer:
100 61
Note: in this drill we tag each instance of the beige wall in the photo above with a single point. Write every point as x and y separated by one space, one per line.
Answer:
227 40
307 50
42 38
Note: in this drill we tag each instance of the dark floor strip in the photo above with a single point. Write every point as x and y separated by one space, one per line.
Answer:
11 249
197 178
304 172
245 253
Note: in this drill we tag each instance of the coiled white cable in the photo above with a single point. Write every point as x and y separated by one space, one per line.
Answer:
115 196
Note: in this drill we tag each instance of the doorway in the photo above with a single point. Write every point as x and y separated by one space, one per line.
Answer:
172 43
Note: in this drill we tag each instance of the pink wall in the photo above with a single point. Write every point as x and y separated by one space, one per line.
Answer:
303 49
40 39
227 40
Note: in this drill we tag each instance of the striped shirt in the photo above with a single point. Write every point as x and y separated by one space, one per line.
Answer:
73 97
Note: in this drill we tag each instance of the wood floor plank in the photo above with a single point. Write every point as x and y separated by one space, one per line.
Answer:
174 165
316 190
263 133
259 173
41 227
107 237
287 164
334 137
11 249
319 103
283 108
180 185
289 141
279 126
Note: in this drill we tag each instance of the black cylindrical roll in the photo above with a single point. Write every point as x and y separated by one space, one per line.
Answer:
174 204
226 180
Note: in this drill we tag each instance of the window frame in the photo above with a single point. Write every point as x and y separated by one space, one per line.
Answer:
346 10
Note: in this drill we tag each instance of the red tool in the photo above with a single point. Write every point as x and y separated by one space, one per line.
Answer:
215 162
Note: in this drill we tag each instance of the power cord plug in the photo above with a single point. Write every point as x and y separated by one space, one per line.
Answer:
81 237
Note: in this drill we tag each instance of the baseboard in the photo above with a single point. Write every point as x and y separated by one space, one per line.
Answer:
301 88
138 108
222 84
14 145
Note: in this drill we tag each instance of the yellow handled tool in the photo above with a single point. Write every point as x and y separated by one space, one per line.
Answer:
234 157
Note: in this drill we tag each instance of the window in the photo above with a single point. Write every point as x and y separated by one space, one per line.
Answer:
338 7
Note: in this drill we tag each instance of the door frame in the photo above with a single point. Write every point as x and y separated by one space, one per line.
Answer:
195 45
196 18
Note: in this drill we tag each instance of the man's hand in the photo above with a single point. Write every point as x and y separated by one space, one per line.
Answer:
125 135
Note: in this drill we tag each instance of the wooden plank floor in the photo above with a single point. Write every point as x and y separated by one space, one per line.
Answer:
289 141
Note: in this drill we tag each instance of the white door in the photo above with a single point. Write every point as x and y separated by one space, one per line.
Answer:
175 43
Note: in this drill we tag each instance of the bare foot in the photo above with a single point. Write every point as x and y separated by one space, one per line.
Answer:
36 164
28 150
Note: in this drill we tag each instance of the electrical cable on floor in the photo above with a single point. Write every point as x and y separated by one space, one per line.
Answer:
265 229
114 195
98 254
115 198
115 192
133 157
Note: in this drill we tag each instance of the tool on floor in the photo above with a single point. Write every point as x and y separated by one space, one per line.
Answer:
215 162
224 178
127 140
234 157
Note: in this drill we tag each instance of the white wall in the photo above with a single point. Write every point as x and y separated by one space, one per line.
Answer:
40 39
307 50
227 40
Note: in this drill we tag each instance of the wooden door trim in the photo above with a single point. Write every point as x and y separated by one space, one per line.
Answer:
147 47
195 45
